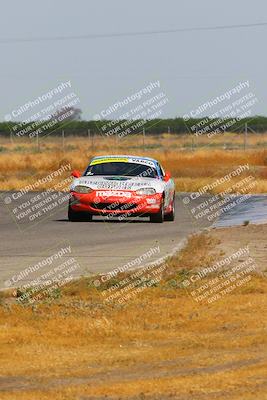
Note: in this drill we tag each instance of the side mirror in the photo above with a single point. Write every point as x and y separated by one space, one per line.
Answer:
76 173
167 176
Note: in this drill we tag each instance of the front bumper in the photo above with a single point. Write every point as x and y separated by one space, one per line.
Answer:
123 203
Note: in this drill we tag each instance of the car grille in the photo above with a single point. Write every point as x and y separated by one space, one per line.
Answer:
114 206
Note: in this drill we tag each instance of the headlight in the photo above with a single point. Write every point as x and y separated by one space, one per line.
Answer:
146 191
82 189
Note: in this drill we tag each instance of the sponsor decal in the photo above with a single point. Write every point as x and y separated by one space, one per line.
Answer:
135 160
115 193
142 161
108 160
99 183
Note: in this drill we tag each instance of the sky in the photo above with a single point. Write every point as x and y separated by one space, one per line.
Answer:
191 67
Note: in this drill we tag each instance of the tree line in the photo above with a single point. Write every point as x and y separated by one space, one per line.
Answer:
153 127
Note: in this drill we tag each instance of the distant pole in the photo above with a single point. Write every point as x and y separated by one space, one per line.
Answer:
37 142
144 135
88 133
169 130
245 136
93 142
63 140
192 143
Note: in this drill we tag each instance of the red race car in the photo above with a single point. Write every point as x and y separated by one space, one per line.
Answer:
122 186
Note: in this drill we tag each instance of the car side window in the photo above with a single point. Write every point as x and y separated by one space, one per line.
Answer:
162 172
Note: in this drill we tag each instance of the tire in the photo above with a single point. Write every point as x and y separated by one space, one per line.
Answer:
159 216
75 216
171 216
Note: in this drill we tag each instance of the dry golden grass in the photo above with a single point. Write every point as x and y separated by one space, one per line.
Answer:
21 164
159 344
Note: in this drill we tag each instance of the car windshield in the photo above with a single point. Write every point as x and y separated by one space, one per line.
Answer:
122 169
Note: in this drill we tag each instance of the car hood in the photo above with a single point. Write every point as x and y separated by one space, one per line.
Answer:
118 182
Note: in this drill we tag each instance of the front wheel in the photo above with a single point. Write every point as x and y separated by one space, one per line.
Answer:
171 216
159 216
76 216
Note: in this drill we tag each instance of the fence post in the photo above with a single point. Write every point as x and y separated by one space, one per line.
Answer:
144 135
37 141
245 135
63 140
92 141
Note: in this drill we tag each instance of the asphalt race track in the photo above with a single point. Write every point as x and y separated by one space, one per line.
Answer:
97 246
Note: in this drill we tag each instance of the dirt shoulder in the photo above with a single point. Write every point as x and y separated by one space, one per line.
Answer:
162 343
